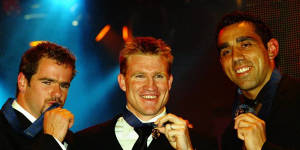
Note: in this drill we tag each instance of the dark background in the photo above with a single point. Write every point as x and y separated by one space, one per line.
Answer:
200 93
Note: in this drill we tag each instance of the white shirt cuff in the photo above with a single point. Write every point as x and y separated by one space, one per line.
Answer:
60 144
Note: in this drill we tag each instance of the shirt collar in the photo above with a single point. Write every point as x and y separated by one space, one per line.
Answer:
19 108
155 118
268 91
265 96
164 112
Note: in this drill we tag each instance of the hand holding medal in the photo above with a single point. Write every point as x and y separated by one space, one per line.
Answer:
175 129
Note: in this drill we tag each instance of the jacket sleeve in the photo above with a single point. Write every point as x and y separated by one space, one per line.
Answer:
45 142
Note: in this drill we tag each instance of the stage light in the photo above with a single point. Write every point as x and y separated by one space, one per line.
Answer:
3 94
35 43
65 3
125 33
75 23
102 33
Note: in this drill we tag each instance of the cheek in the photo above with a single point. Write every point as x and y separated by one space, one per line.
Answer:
163 85
260 61
65 92
135 85
226 67
224 62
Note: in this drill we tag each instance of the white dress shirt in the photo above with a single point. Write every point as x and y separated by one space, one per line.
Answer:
126 134
31 118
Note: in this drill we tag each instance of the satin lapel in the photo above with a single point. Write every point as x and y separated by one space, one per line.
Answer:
160 143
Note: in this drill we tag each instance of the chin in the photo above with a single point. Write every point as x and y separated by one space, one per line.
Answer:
150 112
247 87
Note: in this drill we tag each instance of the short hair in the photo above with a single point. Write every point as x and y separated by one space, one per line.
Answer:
238 16
30 59
145 46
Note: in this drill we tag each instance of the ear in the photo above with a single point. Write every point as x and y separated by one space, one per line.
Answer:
170 81
121 80
22 82
273 48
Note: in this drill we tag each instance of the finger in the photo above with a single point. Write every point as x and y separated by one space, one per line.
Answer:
245 124
168 131
247 118
177 126
241 134
167 118
247 115
71 121
172 135
164 129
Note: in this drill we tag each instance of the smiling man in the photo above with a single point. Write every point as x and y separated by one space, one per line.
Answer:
145 77
35 119
264 110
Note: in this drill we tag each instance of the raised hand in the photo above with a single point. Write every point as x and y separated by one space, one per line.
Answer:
251 130
176 131
57 122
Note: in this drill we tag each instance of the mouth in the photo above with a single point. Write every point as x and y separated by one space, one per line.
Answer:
53 102
241 71
149 97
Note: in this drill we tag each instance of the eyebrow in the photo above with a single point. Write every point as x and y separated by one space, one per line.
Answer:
244 38
223 45
239 39
48 79
163 73
137 73
52 80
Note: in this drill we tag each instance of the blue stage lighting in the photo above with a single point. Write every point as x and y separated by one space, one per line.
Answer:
3 94
89 102
64 3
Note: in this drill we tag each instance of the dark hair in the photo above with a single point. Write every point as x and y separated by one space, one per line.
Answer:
30 59
238 16
145 46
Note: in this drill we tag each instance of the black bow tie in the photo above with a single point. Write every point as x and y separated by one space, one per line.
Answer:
143 132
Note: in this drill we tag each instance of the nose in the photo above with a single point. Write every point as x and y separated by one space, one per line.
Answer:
56 91
151 84
237 55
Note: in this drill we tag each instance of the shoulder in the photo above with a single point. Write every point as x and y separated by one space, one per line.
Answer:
289 89
289 84
97 130
96 135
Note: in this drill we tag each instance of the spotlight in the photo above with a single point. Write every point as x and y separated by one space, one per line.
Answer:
35 43
102 33
125 33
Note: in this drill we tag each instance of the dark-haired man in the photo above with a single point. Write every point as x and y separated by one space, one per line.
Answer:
35 119
145 76
266 106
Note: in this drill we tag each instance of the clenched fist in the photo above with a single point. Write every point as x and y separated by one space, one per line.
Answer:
57 122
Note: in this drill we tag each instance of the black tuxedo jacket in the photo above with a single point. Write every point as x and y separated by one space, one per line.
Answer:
102 136
282 125
11 140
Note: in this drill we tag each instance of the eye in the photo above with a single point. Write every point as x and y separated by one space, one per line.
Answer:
46 82
225 52
159 76
139 76
65 85
245 45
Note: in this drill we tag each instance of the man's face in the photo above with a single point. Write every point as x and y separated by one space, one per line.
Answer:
243 56
50 84
147 84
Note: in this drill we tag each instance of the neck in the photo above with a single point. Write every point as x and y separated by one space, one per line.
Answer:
145 118
252 93
22 102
